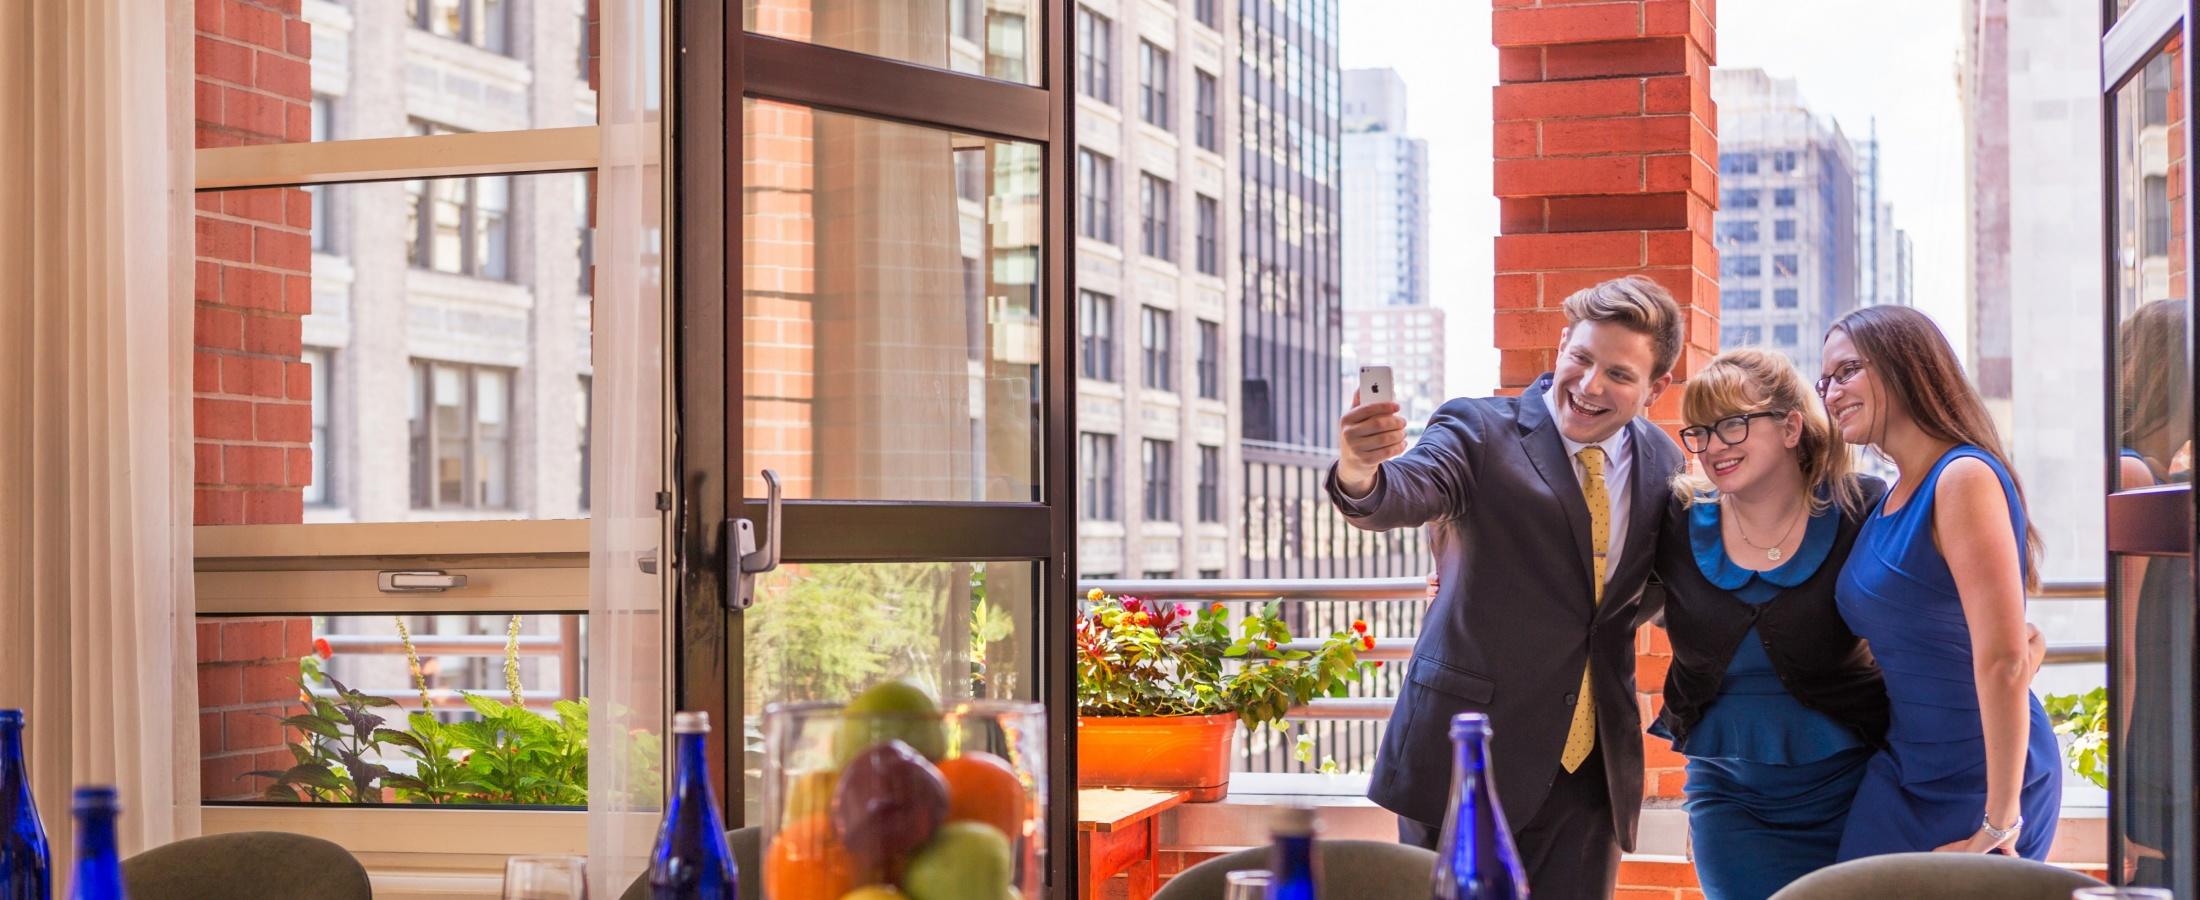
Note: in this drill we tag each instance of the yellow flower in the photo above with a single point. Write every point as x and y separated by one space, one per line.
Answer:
1094 595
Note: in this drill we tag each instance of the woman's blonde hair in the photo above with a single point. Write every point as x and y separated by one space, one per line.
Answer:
1750 380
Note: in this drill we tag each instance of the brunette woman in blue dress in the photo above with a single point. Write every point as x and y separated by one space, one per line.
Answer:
1937 584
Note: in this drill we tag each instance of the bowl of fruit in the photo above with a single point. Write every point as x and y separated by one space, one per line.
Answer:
894 795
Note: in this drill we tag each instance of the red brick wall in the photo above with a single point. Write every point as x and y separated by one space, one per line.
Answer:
1606 145
252 396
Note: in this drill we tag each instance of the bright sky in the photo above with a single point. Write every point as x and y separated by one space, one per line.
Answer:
1852 59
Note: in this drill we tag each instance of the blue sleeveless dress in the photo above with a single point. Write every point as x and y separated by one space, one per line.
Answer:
1928 787
1770 781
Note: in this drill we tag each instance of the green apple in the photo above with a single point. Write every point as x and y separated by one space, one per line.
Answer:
874 892
890 711
963 859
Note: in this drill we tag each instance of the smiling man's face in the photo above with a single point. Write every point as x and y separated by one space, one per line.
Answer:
1603 379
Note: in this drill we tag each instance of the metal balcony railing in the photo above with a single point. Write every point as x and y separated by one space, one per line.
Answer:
1415 590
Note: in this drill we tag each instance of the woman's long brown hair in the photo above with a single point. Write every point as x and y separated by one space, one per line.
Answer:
1911 361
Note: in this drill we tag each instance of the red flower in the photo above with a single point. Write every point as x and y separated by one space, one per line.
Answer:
1378 664
1367 643
321 648
1359 625
1271 645
1218 607
1132 604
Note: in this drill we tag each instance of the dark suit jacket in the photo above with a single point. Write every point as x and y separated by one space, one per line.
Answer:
1515 618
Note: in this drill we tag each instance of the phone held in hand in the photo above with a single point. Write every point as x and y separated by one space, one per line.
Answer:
1376 386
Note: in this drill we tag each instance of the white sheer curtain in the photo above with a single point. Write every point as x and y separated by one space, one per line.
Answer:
626 622
96 644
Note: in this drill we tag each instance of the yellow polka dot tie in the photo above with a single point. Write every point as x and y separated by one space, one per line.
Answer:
1582 736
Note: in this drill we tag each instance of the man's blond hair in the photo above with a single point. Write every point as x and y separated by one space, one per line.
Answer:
1637 304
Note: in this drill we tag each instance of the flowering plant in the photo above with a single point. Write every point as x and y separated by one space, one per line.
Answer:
1138 658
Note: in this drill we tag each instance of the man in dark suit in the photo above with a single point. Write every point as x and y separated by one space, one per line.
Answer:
1551 501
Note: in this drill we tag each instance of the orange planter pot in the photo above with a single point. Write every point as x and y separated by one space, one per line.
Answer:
1178 753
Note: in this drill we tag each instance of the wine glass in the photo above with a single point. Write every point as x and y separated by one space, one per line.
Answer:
546 878
1245 884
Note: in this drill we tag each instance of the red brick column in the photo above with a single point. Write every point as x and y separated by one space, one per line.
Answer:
252 396
1607 165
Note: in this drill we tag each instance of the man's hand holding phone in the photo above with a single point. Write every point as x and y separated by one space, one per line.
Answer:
1370 432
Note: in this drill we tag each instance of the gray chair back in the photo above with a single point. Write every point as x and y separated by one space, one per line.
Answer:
748 856
1360 870
1943 876
247 865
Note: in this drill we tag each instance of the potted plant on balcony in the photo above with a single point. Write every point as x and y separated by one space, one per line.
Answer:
1162 687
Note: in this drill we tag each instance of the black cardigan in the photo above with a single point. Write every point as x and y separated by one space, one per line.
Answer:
1822 663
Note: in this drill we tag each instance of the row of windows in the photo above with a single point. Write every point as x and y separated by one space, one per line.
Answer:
1741 265
1744 163
1746 231
1784 337
460 430
1156 217
1751 198
1752 298
1157 458
1096 79
1156 336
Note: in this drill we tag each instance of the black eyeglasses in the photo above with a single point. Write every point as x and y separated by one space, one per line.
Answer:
1843 375
1731 430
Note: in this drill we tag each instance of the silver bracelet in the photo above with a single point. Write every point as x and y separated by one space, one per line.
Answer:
1986 824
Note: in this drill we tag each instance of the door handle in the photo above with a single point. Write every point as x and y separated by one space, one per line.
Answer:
744 560
418 581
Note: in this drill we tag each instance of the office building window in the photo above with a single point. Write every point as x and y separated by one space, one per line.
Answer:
1096 465
1157 212
1210 360
1741 299
324 128
1738 198
1783 230
1784 161
585 237
1095 196
1158 574
1154 338
1783 197
1741 265
460 225
1786 298
1153 85
1210 484
321 374
461 436
1210 574
586 396
1740 336
1742 232
1095 56
1783 336
2157 213
1096 335
1203 11
483 23
1737 163
1208 240
1160 482
1206 115
1785 264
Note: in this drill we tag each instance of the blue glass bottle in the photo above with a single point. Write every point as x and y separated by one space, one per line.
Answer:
692 860
98 862
1475 857
1293 873
25 860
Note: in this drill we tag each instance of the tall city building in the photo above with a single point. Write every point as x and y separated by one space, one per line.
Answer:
1293 299
2033 279
1788 227
1885 278
1158 197
1388 319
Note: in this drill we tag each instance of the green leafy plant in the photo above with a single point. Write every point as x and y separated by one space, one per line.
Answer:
1159 659
337 737
2085 718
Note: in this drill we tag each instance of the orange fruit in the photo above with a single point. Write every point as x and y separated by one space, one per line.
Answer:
982 787
807 862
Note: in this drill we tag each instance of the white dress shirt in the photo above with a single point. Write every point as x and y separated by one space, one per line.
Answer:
1618 465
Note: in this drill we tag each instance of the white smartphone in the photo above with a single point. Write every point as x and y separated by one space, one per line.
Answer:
1375 385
